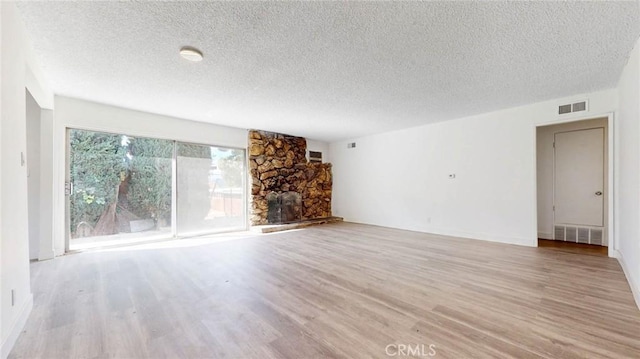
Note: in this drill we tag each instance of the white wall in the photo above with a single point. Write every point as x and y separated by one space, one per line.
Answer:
19 70
628 170
400 179
74 113
3 341
545 163
33 174
13 209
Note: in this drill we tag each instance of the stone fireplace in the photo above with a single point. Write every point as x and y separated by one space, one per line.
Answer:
285 187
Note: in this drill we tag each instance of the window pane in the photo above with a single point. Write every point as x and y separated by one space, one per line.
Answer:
210 189
121 188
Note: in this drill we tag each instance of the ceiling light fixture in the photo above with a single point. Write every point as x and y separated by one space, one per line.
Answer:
191 53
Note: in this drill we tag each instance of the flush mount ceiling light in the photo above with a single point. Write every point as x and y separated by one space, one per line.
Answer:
191 53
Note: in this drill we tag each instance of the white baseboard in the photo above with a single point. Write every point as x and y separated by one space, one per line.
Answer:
46 255
635 289
544 235
17 327
521 241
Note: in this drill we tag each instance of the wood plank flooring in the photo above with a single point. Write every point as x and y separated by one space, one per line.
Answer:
333 291
581 248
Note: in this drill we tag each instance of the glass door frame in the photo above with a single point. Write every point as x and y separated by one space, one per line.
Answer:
173 234
244 185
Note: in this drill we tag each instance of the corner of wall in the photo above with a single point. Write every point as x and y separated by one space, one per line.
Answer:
16 327
17 73
628 272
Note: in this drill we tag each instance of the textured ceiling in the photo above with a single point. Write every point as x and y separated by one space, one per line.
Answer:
330 70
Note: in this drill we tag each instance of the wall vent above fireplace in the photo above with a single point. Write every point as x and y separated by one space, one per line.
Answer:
315 156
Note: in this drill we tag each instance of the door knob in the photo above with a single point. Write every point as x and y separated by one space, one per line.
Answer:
598 193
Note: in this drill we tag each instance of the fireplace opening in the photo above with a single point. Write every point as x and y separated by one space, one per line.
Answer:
284 207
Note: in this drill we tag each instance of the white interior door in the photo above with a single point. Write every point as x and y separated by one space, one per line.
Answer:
579 177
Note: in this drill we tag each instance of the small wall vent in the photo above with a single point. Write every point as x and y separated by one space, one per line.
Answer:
564 109
351 145
587 235
572 107
315 156
579 106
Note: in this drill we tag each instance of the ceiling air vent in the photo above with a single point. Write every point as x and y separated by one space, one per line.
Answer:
572 107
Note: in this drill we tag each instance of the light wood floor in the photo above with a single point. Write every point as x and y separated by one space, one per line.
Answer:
580 248
340 290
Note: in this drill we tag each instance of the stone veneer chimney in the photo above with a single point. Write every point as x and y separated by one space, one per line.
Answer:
278 163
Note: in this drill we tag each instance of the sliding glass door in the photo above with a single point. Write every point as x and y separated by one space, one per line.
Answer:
128 189
210 189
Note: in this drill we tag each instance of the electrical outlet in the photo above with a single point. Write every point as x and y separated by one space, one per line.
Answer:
428 219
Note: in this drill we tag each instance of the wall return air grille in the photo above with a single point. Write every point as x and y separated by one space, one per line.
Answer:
572 107
587 235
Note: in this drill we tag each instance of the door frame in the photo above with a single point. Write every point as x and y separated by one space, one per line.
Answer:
610 174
